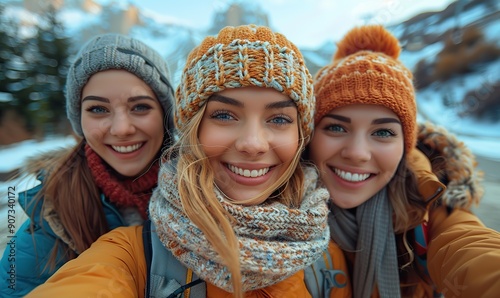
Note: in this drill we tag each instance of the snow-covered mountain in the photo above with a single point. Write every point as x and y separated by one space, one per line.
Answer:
423 37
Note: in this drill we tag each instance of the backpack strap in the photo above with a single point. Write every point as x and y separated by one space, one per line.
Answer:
321 277
148 252
421 240
167 277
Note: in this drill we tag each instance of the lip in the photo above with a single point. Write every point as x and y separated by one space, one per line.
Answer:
127 155
249 181
349 184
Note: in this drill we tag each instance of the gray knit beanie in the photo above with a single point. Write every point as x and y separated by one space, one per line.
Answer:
115 51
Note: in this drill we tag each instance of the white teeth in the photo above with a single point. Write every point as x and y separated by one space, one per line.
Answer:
127 149
248 173
353 177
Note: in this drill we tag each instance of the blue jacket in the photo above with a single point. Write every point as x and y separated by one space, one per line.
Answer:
32 251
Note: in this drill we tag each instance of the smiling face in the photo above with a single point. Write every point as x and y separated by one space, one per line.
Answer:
250 136
122 121
357 149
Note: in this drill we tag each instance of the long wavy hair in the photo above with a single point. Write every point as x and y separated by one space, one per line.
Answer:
409 207
197 193
68 185
409 212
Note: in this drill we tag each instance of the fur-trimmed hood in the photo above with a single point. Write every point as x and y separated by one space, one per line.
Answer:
454 165
44 162
40 166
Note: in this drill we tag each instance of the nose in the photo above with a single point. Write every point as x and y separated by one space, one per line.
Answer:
122 125
356 149
253 140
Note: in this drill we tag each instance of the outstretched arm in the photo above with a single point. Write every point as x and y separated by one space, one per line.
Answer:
464 255
114 266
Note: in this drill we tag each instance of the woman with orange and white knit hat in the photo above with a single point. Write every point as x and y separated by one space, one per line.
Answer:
234 206
401 214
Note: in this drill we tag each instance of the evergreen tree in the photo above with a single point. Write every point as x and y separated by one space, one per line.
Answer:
11 65
49 53
33 72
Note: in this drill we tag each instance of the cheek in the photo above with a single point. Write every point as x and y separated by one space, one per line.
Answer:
156 126
286 144
94 129
213 140
390 158
320 149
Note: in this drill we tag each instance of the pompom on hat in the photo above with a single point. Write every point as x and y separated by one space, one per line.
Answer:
242 56
116 51
366 70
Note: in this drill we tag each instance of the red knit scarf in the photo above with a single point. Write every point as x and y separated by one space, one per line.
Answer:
130 192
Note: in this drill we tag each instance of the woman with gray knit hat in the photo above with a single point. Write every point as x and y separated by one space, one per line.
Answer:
119 101
402 217
235 214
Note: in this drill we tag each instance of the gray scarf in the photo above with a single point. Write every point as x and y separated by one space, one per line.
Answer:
370 234
275 241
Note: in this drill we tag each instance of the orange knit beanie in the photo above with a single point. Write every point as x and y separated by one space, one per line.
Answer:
242 56
366 70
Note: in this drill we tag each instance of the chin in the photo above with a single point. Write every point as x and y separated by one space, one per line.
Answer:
129 173
346 203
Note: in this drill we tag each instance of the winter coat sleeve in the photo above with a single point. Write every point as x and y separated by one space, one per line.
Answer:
25 262
114 266
463 255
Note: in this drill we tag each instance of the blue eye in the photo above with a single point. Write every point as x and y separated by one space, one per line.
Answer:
384 133
335 128
97 109
142 107
222 115
281 120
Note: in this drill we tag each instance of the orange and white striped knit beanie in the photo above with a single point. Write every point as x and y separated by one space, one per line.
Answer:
242 56
366 70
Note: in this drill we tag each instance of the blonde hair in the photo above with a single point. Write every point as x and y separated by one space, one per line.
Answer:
197 193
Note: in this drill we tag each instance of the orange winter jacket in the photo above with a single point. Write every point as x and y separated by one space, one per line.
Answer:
463 255
116 267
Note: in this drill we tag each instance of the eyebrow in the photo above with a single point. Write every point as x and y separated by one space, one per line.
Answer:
232 101
375 121
104 99
226 100
386 120
338 117
280 104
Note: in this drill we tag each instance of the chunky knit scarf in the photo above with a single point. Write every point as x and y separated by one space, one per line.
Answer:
131 192
275 241
370 234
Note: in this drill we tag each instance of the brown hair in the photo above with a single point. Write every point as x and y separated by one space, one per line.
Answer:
196 190
409 207
409 211
68 185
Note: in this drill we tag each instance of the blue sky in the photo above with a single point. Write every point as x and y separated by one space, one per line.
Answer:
308 23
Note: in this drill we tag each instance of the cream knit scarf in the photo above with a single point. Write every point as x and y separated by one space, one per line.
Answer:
275 241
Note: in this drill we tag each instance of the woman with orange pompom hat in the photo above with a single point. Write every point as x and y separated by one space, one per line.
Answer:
400 191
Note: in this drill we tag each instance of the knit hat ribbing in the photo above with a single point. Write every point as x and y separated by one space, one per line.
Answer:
115 51
366 70
243 56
